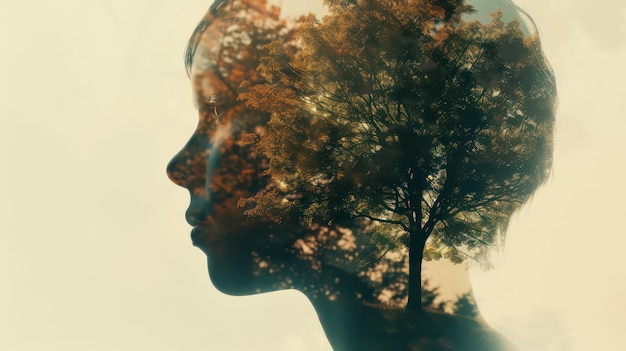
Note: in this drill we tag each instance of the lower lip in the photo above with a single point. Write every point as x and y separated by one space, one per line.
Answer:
199 234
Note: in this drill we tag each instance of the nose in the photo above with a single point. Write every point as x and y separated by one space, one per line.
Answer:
188 170
180 168
188 167
176 172
193 168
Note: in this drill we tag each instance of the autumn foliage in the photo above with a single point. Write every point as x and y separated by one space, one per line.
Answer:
400 113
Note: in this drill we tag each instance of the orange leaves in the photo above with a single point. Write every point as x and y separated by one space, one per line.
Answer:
270 98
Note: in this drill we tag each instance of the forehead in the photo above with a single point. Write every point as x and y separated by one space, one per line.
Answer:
288 9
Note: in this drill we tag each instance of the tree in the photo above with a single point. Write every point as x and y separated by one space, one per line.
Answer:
430 294
465 305
401 113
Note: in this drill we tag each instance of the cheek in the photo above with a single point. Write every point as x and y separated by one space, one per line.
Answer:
237 175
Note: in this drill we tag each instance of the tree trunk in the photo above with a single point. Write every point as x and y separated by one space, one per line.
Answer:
417 242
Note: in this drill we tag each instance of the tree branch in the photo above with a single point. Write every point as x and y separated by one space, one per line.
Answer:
363 215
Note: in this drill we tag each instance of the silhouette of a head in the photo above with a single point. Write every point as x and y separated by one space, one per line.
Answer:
329 151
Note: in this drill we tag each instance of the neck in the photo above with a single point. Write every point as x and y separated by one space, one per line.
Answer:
352 324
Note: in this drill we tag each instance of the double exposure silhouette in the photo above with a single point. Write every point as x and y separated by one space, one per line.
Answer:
334 155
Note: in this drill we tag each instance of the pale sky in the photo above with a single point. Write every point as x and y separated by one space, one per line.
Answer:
94 250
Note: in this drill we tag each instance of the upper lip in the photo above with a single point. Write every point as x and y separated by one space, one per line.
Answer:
195 223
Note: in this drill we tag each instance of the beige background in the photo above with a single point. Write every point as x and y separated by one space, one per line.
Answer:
94 250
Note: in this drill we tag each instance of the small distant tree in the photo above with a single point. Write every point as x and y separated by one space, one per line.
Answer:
465 305
401 113
431 296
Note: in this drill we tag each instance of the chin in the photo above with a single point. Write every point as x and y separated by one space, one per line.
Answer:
231 251
232 278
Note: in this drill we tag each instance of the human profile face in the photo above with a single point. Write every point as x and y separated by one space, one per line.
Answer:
218 165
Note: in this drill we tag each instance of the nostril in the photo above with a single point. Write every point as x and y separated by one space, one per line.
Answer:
178 178
200 211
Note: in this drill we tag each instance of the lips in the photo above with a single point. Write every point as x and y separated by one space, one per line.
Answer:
200 237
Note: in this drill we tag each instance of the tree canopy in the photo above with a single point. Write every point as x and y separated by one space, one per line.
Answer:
400 113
